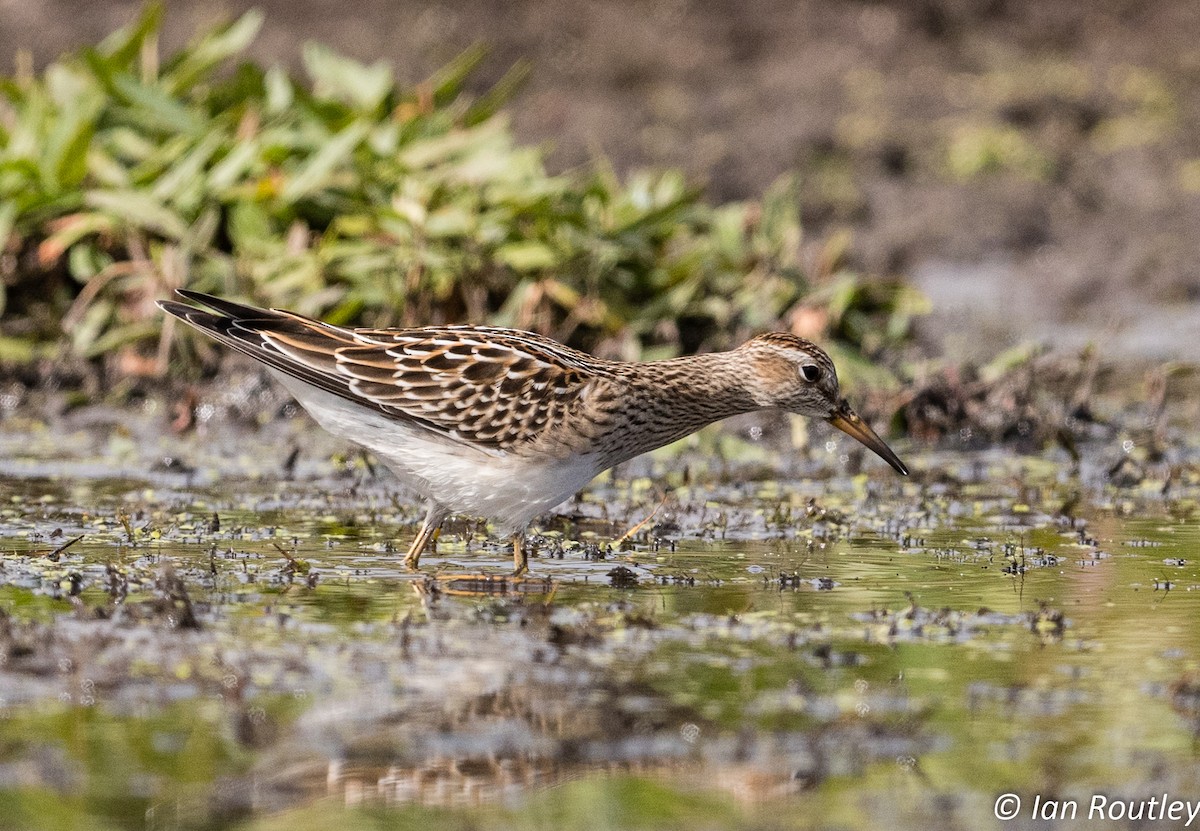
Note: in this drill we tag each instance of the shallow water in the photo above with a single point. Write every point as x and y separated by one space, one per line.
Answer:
839 650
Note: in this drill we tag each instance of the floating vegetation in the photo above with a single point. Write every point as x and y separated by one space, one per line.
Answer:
837 636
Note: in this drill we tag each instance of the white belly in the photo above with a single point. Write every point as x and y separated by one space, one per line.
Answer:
509 489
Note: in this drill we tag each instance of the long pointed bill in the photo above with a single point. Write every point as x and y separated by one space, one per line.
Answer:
846 420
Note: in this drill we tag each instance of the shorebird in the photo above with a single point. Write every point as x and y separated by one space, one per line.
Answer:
506 424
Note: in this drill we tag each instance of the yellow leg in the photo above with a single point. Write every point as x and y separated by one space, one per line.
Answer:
433 521
520 558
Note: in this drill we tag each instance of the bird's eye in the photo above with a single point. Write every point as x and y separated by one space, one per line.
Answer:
811 373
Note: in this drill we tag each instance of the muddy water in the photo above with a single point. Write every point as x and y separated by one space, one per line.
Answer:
225 646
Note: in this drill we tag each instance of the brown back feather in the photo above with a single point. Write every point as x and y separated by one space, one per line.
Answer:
495 388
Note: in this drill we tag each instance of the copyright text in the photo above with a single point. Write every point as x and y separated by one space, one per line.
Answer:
1100 807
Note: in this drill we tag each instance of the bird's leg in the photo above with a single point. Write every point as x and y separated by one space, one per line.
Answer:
520 558
432 522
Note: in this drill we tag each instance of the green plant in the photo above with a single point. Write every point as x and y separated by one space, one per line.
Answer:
354 198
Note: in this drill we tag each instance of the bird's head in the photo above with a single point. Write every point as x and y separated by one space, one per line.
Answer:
796 375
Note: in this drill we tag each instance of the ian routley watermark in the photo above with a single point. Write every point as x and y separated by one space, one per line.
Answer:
1008 806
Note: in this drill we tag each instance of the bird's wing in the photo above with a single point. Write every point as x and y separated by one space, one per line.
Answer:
493 388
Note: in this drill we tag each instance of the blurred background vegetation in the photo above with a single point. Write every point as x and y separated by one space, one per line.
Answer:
641 197
341 193
1030 165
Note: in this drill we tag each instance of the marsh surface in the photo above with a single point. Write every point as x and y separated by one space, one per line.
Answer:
780 642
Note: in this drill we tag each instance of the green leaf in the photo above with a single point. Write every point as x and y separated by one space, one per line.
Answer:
860 370
236 165
336 76
250 226
526 256
70 230
450 221
130 146
139 210
15 350
103 169
487 139
317 170
188 169
500 94
1010 359
117 336
280 92
842 295
210 50
84 262
123 47
8 219
154 108
448 81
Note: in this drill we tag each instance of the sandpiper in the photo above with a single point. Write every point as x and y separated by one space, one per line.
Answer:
506 424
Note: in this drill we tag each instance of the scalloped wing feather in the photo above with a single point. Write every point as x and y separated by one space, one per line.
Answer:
494 388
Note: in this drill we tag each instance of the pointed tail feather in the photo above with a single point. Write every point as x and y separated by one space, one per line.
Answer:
291 344
227 307
244 331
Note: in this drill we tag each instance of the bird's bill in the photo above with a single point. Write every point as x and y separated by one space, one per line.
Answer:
846 420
